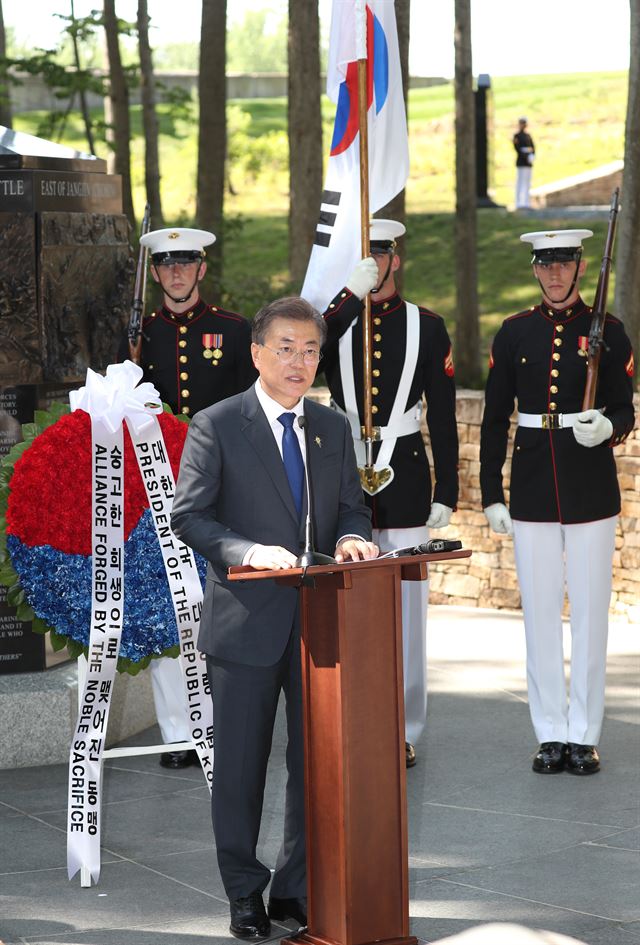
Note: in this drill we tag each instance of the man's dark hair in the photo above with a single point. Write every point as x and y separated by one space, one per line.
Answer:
292 307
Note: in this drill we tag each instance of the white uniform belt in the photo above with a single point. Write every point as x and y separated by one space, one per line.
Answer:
547 421
408 423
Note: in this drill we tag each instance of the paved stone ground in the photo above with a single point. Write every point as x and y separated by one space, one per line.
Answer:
488 839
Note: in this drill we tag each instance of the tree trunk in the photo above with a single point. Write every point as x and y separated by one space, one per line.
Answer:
149 118
212 139
467 354
119 95
627 256
305 133
86 118
5 100
395 209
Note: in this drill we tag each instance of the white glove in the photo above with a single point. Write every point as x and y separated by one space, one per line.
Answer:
364 277
592 428
499 518
439 516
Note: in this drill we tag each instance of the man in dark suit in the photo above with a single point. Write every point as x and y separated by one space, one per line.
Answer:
241 499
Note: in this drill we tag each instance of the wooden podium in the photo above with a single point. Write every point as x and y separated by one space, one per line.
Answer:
355 773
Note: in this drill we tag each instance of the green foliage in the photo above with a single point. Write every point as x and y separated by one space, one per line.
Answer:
258 43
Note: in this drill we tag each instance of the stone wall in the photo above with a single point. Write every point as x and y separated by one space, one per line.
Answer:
32 94
593 188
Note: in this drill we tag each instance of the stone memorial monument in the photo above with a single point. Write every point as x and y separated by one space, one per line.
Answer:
66 276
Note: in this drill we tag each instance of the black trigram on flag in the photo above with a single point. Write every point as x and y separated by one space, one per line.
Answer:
330 198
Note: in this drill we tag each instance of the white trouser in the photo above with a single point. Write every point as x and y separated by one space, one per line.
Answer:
547 554
523 183
415 595
170 700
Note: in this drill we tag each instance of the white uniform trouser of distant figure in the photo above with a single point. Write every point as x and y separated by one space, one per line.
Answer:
415 596
523 185
170 700
546 553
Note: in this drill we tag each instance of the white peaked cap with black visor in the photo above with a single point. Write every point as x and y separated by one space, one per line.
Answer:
383 235
549 246
181 243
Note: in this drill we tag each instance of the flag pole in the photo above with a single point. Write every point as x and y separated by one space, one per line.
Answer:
364 236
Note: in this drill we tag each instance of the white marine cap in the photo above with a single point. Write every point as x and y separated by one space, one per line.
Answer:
558 245
384 233
174 242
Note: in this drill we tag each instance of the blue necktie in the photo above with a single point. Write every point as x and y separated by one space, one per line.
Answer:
292 459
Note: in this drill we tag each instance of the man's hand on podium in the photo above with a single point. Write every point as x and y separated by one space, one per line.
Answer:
270 558
355 549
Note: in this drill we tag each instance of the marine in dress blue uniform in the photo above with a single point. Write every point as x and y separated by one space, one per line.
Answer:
564 496
195 354
412 359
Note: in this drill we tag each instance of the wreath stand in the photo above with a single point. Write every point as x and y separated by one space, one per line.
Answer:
85 875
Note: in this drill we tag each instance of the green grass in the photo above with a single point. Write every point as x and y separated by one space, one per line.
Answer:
577 122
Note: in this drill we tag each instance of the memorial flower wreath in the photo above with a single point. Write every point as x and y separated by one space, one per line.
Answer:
45 538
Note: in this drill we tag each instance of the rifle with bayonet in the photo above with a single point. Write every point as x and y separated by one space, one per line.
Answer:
599 316
134 331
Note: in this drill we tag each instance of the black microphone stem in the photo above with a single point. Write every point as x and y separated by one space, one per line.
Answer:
310 555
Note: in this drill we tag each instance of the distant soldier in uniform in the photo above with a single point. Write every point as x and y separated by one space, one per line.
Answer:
525 150
195 354
565 497
412 358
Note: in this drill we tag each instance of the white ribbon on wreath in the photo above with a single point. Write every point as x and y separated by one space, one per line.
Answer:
111 400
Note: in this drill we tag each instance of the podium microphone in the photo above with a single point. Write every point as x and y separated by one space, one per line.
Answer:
309 556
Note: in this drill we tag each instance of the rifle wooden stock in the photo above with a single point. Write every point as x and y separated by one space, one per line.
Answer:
599 316
134 331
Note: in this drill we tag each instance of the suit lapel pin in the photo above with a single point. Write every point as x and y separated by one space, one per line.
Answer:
318 441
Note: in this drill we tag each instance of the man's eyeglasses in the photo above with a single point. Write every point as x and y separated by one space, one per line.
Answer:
288 355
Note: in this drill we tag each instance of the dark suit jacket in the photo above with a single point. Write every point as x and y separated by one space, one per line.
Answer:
233 492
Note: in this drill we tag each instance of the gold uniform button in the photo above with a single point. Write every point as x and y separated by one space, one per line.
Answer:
553 406
151 367
184 393
343 295
183 329
553 389
377 321
183 344
185 410
185 377
190 315
374 409
557 342
377 355
556 355
555 372
183 359
332 305
374 391
376 372
377 336
560 328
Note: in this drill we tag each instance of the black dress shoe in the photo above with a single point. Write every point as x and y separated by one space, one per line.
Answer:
550 758
289 909
248 917
583 759
179 759
410 754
